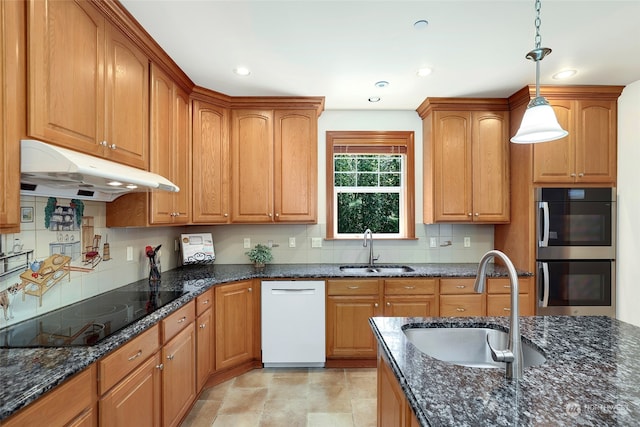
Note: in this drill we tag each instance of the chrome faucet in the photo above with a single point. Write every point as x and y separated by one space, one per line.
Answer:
512 356
372 259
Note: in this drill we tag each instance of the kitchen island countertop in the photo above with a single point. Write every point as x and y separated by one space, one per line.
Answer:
28 373
590 377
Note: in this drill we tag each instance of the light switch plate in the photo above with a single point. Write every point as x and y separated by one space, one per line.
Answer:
292 242
433 242
467 242
316 242
247 243
129 253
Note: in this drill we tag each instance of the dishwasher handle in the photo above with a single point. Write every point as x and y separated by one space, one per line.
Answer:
298 291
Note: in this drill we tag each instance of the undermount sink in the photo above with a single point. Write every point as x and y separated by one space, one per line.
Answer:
468 346
365 269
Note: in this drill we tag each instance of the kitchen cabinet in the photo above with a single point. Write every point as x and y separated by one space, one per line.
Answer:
179 360
205 350
72 403
170 148
12 110
458 298
350 304
273 166
410 297
499 296
210 164
235 328
466 160
88 83
393 408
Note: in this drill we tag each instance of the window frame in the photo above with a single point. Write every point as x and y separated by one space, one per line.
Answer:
385 141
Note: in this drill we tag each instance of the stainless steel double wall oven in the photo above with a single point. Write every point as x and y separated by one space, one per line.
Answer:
576 251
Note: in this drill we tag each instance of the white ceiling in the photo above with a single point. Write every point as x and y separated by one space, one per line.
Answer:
339 49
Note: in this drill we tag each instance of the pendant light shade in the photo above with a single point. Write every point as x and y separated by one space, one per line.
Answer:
539 124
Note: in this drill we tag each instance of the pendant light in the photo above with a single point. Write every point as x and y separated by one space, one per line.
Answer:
539 123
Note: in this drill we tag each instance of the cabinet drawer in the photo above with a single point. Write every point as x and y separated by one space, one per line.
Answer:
177 321
410 286
204 302
500 305
457 286
462 305
61 405
502 285
125 359
352 287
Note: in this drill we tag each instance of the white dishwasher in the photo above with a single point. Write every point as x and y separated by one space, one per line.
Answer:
293 323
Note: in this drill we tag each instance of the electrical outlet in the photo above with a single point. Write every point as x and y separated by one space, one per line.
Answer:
467 242
129 253
247 243
292 242
433 242
316 242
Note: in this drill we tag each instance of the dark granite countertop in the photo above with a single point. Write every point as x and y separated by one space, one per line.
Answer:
27 373
590 377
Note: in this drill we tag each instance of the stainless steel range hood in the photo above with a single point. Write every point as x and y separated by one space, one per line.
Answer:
48 170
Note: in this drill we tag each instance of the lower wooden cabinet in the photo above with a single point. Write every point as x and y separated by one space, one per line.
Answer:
71 403
350 304
410 297
205 355
499 296
235 308
178 376
136 400
457 298
393 408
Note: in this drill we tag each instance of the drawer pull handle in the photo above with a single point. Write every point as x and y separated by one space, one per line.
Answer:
184 318
353 287
506 309
409 287
170 357
506 286
460 309
207 301
461 286
135 356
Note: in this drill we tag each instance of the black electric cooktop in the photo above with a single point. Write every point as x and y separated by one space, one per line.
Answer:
87 322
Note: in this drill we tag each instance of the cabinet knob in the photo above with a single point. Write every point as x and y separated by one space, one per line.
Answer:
226 215
160 366
469 214
270 214
573 175
477 214
375 305
580 174
112 146
103 143
388 304
277 214
250 289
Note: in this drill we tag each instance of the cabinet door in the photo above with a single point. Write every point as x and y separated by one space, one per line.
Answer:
251 166
452 166
596 136
12 111
393 408
295 165
210 164
178 376
204 345
462 305
136 399
181 154
348 330
126 101
554 161
490 166
500 305
234 337
410 306
66 74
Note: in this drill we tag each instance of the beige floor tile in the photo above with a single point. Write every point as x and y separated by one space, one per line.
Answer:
254 378
284 412
327 376
362 387
202 414
248 419
288 372
329 398
217 392
239 400
288 388
330 420
364 412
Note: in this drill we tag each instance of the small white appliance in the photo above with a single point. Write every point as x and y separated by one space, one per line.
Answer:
293 324
197 248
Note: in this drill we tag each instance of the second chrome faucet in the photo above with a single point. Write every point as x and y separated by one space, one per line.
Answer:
372 259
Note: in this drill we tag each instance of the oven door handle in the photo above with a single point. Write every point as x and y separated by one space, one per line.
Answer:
544 223
545 284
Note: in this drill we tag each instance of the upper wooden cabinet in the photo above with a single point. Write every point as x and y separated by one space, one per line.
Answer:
88 83
12 111
466 160
170 148
210 164
274 165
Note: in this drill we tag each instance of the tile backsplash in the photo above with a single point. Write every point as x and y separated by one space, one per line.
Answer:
67 237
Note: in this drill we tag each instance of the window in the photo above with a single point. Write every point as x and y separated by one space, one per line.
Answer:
370 184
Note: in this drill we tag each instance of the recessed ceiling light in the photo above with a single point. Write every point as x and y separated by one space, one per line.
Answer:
565 74
132 186
242 71
420 24
115 183
374 99
424 71
382 83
